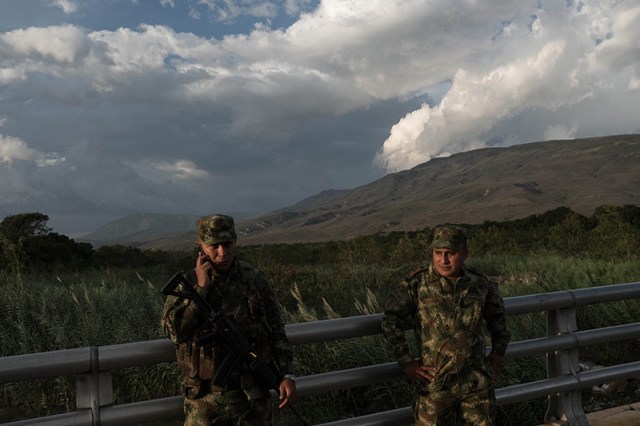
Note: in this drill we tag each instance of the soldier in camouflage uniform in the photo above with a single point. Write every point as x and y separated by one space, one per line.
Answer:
448 306
241 292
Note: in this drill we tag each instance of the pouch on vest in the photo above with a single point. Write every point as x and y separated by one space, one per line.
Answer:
206 363
195 361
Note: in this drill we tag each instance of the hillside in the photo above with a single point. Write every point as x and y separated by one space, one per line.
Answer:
150 230
140 228
471 187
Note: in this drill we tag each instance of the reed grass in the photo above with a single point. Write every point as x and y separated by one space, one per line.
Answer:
41 313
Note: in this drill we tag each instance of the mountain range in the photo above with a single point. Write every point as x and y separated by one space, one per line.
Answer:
495 184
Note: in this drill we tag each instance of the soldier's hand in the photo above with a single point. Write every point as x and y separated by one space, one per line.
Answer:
420 373
287 392
203 269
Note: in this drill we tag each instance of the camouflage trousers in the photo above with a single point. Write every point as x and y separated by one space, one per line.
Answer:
464 399
228 408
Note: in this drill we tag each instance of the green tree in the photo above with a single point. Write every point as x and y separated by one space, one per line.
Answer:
363 250
612 235
491 238
56 251
15 230
121 256
570 236
402 252
412 249
117 255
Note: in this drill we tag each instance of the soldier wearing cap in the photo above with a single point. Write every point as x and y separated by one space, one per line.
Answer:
448 305
240 291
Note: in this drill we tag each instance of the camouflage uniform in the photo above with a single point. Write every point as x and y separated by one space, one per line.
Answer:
243 294
448 319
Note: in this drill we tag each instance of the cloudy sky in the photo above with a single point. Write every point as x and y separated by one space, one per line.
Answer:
114 107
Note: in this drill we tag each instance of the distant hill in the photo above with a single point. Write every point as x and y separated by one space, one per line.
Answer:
151 230
486 184
137 229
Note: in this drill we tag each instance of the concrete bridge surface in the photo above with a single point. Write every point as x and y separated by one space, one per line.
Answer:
624 415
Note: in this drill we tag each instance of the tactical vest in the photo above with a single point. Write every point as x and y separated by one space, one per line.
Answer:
198 364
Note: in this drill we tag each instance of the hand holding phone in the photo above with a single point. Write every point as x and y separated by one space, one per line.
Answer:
204 266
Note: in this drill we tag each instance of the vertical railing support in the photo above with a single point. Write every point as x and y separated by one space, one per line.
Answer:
564 408
94 389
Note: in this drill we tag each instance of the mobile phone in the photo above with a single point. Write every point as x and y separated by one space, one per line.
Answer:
201 253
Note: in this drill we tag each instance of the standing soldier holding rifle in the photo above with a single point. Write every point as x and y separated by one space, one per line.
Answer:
231 345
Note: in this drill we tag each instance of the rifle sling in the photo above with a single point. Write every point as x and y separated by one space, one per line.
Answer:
227 365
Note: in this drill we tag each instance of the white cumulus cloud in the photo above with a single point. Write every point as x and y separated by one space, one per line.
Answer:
67 6
12 149
573 58
262 103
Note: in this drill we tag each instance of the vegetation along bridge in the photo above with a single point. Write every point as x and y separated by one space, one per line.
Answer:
93 366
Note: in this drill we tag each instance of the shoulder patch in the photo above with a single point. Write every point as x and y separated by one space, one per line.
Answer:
406 282
251 276
245 270
416 271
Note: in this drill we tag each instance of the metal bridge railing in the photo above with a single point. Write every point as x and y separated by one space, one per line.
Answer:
93 366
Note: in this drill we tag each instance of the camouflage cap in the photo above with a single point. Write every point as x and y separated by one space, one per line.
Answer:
216 228
449 236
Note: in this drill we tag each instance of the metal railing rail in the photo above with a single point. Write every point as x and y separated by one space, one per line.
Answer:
93 366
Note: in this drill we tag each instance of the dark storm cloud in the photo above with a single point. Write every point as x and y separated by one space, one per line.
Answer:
106 115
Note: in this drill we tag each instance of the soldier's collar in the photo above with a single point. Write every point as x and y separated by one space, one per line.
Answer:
233 269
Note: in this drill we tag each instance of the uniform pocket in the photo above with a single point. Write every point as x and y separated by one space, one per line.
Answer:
471 311
205 363
192 388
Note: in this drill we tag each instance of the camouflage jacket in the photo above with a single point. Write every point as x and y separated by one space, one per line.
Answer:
449 319
244 295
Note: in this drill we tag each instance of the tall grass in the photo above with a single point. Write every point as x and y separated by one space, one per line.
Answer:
46 313
66 311
49 312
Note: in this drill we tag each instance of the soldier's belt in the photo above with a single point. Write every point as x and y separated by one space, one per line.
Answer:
216 388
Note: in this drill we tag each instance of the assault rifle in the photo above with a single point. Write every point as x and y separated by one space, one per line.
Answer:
225 329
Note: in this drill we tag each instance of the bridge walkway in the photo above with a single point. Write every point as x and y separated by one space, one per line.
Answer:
624 415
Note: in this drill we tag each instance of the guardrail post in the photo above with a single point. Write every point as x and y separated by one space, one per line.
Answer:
94 389
564 408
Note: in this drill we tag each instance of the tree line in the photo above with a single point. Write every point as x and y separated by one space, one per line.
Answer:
27 244
610 232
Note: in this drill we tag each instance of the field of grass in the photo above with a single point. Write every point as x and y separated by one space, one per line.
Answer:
49 312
